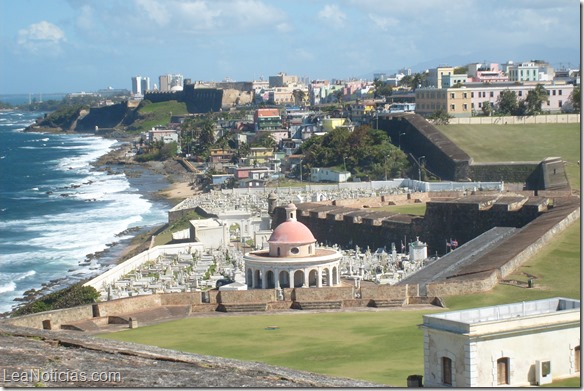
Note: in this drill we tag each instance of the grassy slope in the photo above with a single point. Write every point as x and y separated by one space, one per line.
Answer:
385 347
520 143
156 114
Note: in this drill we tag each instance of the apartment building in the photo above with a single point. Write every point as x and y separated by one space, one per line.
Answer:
470 99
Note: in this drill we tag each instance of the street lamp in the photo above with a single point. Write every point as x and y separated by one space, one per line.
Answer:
420 167
345 163
399 140
300 171
385 166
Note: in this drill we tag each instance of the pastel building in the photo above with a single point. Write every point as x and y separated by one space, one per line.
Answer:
292 259
509 345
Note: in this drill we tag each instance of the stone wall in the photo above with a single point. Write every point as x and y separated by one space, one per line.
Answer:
323 294
510 120
514 172
56 318
246 297
462 287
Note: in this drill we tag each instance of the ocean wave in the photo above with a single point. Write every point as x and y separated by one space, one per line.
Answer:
8 280
8 287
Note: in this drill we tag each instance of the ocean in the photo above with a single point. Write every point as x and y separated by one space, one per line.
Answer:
56 208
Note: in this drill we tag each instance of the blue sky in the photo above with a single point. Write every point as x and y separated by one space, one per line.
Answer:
84 45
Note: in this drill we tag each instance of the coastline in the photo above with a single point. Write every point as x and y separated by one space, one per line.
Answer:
165 183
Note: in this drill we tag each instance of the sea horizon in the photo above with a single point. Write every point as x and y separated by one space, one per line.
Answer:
57 209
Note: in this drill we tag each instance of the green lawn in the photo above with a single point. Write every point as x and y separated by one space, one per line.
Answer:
156 114
496 143
418 209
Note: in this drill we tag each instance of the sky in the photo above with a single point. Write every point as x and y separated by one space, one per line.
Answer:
50 46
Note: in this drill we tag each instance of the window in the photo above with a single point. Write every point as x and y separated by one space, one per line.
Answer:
492 94
503 370
520 93
472 94
559 92
560 103
452 95
452 107
294 250
465 107
446 370
577 358
554 92
464 95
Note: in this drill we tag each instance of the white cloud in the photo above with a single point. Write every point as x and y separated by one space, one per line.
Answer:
40 37
155 11
332 15
383 23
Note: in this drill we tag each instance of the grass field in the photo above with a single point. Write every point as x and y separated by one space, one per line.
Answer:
386 347
497 143
156 114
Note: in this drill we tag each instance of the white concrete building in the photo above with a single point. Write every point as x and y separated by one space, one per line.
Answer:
510 345
292 259
325 174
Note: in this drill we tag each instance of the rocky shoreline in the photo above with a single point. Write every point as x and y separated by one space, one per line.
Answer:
120 159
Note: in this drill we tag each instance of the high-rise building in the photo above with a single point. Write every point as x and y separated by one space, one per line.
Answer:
171 82
140 85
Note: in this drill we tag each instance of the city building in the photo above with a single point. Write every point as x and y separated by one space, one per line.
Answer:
292 259
470 99
435 75
329 174
267 119
282 80
510 345
164 135
171 82
140 85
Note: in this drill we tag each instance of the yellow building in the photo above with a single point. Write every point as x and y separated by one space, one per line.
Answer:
455 101
260 155
329 124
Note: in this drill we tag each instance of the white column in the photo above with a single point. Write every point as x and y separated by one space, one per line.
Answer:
264 279
319 278
306 282
277 279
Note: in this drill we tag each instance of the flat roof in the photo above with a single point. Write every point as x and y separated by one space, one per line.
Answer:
509 311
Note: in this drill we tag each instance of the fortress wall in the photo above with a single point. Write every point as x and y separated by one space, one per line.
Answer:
513 172
463 287
182 298
514 263
384 292
129 305
323 294
249 296
56 317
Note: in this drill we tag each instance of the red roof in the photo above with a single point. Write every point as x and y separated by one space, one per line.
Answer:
292 231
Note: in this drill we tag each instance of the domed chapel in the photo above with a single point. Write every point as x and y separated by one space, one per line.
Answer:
292 259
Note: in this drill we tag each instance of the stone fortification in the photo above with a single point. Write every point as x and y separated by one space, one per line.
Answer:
445 159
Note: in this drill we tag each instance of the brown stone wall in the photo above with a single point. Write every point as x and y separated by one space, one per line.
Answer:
323 294
383 292
186 298
462 287
128 305
250 296
56 317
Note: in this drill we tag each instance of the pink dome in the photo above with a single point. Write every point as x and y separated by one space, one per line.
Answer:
292 231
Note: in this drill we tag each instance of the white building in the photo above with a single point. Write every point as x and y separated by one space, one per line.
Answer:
164 135
318 174
510 345
292 260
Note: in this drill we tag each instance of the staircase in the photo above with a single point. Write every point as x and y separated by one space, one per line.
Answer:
247 307
386 303
318 305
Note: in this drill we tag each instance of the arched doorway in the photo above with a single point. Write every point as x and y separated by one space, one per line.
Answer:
284 278
335 277
249 278
312 278
258 279
234 232
298 279
270 280
325 277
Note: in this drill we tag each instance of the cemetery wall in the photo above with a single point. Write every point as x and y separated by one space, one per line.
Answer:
244 297
323 294
384 292
56 317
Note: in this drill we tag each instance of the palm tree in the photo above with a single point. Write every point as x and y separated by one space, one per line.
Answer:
299 97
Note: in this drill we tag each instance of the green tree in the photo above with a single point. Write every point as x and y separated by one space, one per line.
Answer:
487 108
535 99
576 99
264 140
440 117
507 103
299 97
